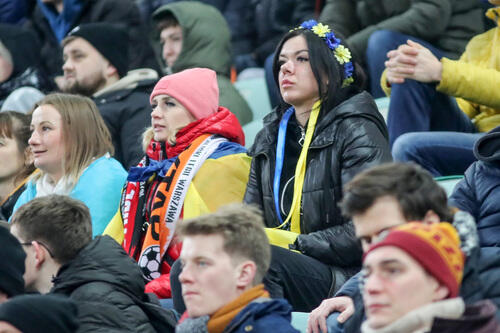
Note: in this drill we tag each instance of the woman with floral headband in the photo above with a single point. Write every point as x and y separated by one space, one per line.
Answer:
324 132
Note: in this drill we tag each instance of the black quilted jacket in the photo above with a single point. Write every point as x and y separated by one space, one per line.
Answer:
349 138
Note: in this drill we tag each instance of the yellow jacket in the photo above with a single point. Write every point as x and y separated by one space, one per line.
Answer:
218 182
474 79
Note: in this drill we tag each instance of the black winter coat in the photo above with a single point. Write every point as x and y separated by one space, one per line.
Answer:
348 139
123 12
108 288
127 113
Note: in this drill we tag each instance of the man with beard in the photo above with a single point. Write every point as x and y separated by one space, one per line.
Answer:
95 64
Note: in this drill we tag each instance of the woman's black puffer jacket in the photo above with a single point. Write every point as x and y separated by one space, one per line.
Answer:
348 139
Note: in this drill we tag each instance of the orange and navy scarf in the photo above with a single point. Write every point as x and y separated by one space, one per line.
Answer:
166 204
222 317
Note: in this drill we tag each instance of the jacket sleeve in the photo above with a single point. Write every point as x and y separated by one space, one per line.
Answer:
253 193
415 21
476 84
364 146
464 194
351 287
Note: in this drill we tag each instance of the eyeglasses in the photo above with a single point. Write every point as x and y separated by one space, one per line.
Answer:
42 244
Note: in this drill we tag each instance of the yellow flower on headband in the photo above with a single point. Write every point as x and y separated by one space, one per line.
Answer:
321 30
342 54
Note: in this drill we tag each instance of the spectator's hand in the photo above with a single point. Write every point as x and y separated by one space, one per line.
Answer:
401 63
317 318
412 61
428 68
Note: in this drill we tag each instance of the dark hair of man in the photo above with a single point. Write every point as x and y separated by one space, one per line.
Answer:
167 20
242 228
412 186
327 71
61 223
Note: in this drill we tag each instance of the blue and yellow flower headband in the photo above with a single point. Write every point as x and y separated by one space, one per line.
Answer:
341 53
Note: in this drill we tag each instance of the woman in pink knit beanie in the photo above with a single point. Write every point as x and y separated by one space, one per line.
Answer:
195 162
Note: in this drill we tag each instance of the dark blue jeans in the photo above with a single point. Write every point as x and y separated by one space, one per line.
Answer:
441 153
381 42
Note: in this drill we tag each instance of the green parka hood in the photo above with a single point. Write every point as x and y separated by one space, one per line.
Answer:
205 34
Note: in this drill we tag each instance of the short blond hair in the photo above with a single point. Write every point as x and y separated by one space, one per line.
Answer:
242 228
85 134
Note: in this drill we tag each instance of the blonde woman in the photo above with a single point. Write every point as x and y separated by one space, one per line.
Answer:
71 146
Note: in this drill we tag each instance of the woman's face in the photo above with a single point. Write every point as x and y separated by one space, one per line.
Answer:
168 117
11 159
46 141
297 83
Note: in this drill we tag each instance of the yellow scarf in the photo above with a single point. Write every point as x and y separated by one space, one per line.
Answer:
222 317
300 171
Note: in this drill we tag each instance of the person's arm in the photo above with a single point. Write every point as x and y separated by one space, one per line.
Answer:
253 193
464 194
416 21
470 82
365 145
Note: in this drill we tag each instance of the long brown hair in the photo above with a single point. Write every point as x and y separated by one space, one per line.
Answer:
85 135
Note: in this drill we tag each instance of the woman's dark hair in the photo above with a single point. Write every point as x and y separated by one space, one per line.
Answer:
16 125
323 65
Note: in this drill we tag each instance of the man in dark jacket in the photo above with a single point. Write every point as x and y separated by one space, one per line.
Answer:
52 20
95 66
225 255
443 25
62 258
390 195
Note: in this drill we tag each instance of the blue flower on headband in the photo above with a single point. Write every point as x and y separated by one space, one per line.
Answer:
341 53
309 24
331 41
348 69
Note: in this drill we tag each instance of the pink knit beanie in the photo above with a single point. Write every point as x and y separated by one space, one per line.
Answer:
196 89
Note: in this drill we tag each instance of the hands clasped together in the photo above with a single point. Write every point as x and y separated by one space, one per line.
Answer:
412 61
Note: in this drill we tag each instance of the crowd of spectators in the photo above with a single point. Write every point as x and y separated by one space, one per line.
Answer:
134 206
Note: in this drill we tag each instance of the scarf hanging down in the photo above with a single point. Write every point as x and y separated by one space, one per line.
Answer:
300 169
167 203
